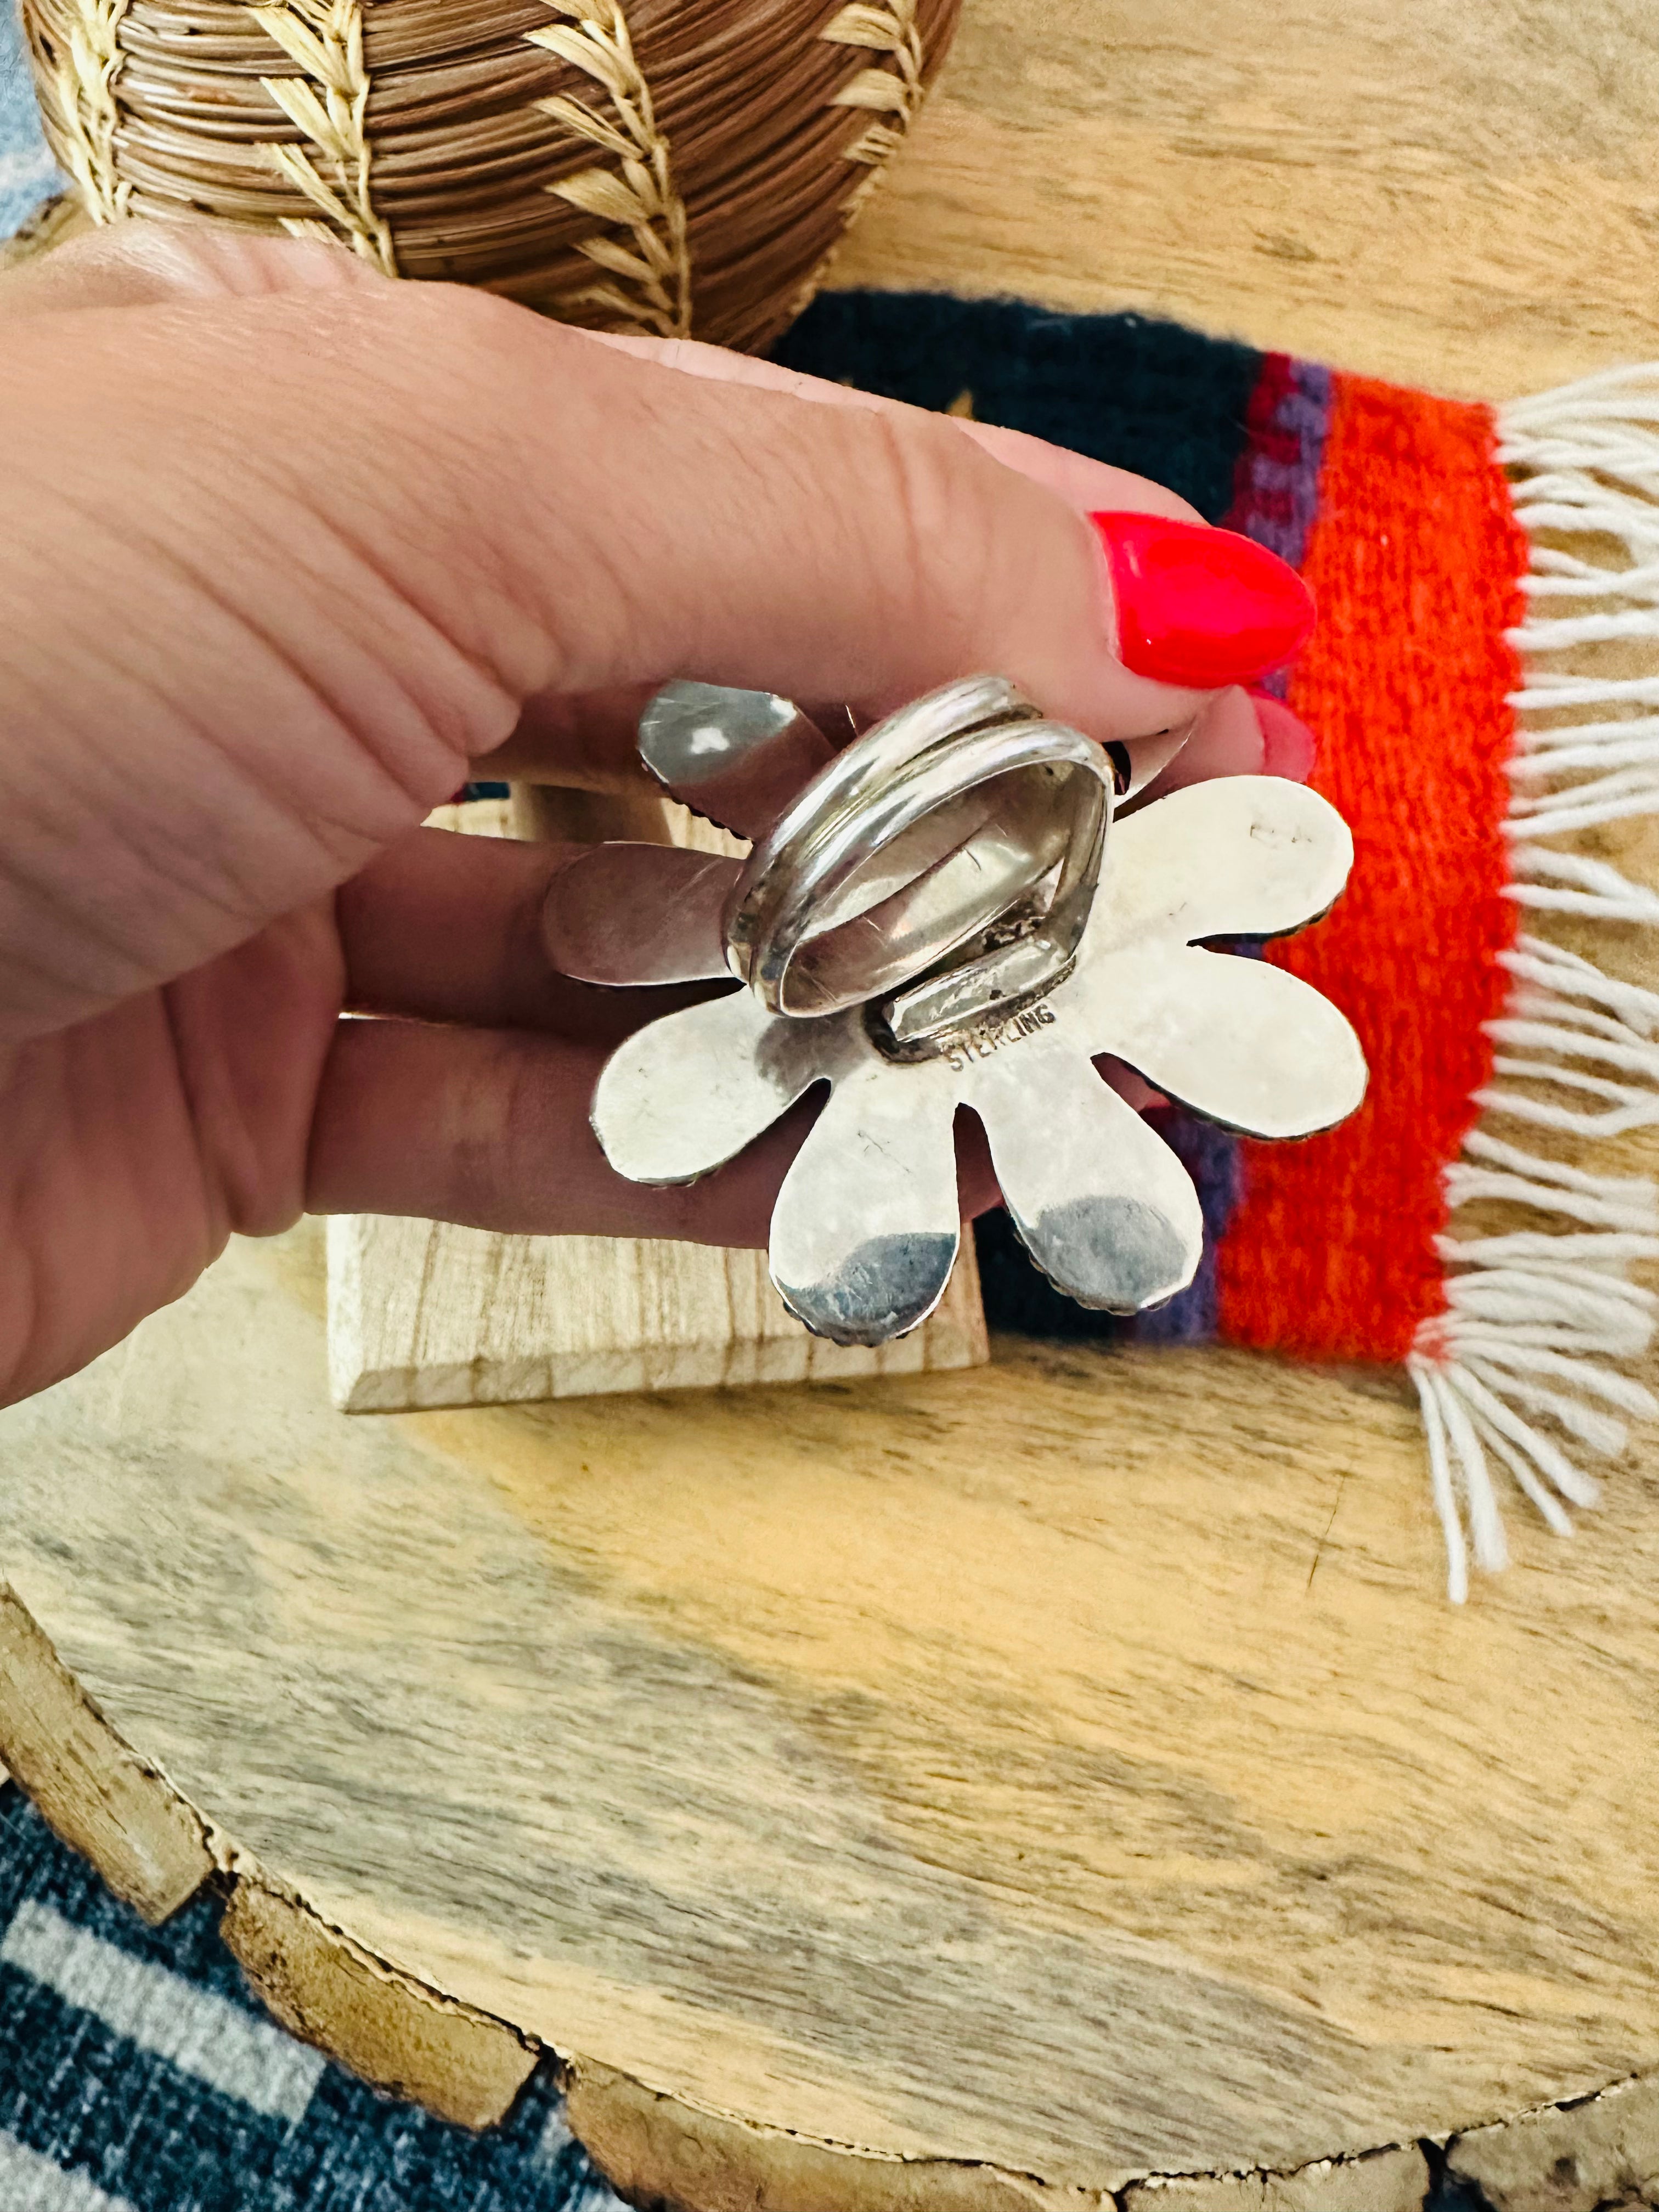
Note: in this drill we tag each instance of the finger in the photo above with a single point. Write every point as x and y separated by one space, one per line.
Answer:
1289 747
1228 744
138 263
380 518
583 740
587 742
828 551
497 934
143 262
1225 739
447 928
490 1128
1088 485
1238 732
590 742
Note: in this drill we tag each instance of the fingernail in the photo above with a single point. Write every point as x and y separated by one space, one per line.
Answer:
1200 607
1289 747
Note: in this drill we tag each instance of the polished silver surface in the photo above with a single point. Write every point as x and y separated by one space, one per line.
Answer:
1012 851
736 758
955 827
624 913
865 1229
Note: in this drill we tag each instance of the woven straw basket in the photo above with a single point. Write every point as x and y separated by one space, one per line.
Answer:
674 167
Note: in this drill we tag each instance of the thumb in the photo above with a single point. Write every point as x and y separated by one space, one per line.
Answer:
325 544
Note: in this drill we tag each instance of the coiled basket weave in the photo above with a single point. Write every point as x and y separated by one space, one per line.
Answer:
676 167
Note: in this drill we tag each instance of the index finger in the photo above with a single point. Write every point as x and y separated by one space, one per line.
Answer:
339 539
1090 486
589 742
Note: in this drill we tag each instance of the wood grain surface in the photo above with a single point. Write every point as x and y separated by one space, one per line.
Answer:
1070 1766
1464 197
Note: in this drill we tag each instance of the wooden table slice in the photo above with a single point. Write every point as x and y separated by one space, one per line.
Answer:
1461 198
1069 1769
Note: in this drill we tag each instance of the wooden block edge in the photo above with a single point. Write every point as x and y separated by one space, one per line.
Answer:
362 1379
381 2023
91 1788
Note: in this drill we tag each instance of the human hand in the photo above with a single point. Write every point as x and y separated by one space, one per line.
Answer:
288 552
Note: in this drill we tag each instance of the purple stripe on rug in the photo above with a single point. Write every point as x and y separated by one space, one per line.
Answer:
1276 483
1275 498
1211 1157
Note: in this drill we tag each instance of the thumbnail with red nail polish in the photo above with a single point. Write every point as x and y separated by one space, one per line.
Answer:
1200 607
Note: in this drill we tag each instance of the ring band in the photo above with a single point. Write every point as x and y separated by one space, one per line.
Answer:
955 849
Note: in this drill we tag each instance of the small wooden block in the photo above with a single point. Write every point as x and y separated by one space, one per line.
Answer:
424 1313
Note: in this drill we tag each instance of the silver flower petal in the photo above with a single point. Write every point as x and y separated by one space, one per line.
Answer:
1244 856
735 758
865 1225
621 915
865 1228
685 1094
1100 1202
1239 1042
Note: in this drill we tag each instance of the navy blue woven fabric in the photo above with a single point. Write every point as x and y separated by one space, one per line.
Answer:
137 2070
1142 394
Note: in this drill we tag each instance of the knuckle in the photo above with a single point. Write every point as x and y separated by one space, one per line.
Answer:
443 335
936 500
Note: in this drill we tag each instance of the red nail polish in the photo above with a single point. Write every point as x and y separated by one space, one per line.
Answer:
1200 607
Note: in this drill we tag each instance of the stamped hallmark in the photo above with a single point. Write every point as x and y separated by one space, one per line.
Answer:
991 1037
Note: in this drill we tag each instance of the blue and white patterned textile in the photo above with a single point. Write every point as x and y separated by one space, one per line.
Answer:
137 2074
26 173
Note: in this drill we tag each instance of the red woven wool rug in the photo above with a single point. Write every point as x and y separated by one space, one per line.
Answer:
1468 566
1459 771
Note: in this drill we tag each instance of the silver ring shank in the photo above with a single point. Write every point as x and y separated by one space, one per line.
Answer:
966 831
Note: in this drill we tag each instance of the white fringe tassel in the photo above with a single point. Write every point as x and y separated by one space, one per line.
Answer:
1531 1316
